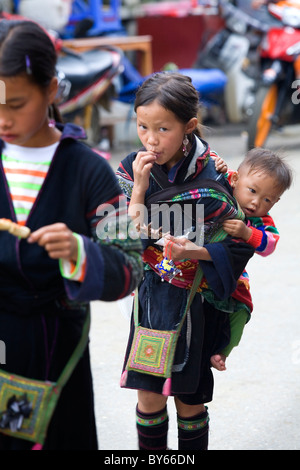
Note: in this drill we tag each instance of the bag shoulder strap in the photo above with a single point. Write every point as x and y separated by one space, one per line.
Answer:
77 353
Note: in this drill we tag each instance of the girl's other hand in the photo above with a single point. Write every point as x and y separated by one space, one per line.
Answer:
58 240
179 248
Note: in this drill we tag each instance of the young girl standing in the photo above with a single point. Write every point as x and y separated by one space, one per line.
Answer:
175 165
56 186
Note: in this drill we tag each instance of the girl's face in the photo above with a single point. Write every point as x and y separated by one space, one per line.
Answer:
24 116
162 133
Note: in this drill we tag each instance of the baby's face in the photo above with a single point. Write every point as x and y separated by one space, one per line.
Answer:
255 192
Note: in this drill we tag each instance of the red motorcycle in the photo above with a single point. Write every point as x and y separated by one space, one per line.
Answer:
277 96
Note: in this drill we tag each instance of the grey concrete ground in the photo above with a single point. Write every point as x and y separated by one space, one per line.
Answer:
257 400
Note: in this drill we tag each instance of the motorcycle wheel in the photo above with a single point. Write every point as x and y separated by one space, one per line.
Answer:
260 123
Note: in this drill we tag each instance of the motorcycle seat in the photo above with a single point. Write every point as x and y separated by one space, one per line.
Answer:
86 68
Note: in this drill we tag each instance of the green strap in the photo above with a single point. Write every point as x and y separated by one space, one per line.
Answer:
77 353
197 279
221 234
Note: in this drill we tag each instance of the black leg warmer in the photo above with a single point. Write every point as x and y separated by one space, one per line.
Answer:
152 429
193 432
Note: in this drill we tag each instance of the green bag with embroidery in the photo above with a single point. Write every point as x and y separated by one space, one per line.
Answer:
153 351
27 405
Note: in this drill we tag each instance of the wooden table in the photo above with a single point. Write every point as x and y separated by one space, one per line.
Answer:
141 44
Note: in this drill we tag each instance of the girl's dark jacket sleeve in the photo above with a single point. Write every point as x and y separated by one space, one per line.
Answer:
229 259
114 264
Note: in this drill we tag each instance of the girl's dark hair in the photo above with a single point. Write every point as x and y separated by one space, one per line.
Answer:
270 163
173 91
25 48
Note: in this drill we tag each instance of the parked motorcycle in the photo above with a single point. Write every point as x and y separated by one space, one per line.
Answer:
233 49
86 84
277 96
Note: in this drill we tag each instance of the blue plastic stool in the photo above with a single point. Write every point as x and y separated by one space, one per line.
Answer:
106 18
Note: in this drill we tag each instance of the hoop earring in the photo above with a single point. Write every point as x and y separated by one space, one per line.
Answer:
51 121
185 144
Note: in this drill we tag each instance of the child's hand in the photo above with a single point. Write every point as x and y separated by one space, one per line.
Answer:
182 248
220 164
141 169
58 241
237 228
177 249
218 361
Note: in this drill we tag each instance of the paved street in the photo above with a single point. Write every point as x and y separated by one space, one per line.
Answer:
257 400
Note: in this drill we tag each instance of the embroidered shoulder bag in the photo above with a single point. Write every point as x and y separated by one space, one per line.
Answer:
152 351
